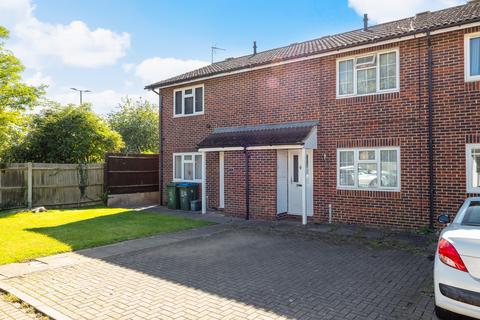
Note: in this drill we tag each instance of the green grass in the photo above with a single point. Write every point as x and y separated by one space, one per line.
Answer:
26 235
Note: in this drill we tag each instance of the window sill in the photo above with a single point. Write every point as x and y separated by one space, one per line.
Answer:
472 78
473 191
372 98
368 189
188 115
188 181
366 95
369 193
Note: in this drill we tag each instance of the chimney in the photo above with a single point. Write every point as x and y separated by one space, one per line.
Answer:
365 22
254 47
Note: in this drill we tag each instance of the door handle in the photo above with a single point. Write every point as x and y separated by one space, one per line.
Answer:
299 185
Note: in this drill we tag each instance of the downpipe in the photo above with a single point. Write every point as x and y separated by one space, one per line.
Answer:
247 183
431 172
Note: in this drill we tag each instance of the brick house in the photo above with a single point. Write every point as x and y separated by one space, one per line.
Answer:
379 126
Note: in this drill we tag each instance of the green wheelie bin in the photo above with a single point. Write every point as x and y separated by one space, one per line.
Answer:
173 196
187 192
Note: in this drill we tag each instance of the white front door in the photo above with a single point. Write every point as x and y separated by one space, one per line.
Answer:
295 181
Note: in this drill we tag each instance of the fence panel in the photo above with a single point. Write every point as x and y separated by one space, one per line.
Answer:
13 185
131 173
47 184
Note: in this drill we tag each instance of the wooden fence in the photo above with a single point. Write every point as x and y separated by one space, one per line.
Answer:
131 173
45 184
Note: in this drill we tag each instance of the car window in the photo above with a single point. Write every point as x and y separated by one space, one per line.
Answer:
472 215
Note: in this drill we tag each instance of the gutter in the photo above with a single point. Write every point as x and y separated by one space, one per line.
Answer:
431 172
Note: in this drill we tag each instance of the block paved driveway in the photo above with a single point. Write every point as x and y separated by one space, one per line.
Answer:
240 273
12 311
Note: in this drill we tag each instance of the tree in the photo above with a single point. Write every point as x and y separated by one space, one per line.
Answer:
137 123
66 134
15 96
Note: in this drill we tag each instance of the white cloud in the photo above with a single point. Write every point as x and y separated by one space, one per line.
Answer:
384 10
74 44
127 67
38 78
12 11
156 69
43 46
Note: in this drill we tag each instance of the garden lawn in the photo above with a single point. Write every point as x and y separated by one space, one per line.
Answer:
27 235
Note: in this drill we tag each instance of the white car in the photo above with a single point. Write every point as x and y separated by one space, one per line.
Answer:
457 263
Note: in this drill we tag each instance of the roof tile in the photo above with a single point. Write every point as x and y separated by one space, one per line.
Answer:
423 22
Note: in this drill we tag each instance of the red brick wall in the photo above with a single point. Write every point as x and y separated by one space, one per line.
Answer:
456 120
234 164
213 175
306 91
263 184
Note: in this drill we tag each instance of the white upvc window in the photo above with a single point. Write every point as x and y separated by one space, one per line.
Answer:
473 168
187 167
369 168
188 101
372 73
472 57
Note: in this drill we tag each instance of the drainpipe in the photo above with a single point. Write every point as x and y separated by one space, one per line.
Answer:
160 124
431 173
247 183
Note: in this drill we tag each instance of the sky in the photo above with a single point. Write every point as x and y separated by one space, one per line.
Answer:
116 47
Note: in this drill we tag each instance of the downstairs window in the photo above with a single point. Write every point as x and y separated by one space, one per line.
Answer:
369 168
473 168
187 167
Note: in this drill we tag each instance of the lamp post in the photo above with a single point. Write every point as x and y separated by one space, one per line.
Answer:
81 93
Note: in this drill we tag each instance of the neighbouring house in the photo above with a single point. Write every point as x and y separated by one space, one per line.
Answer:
379 126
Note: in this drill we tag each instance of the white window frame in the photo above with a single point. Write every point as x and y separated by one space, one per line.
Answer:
195 113
467 38
356 161
469 167
193 154
377 66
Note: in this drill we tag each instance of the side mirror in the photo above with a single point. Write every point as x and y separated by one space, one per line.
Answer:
444 218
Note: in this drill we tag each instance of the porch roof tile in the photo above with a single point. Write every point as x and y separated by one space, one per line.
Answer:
291 133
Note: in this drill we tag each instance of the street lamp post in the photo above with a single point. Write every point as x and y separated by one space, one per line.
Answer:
81 93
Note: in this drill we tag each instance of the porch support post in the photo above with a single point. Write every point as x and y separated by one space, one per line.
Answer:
221 160
204 182
304 186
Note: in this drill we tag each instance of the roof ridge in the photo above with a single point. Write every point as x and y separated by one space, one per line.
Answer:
352 38
326 36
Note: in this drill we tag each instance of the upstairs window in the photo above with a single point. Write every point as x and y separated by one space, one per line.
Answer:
188 101
472 57
368 74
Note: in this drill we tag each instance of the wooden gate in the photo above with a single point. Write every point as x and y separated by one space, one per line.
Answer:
131 173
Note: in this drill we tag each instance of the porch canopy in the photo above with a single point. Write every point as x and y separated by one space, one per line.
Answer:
291 135
288 135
